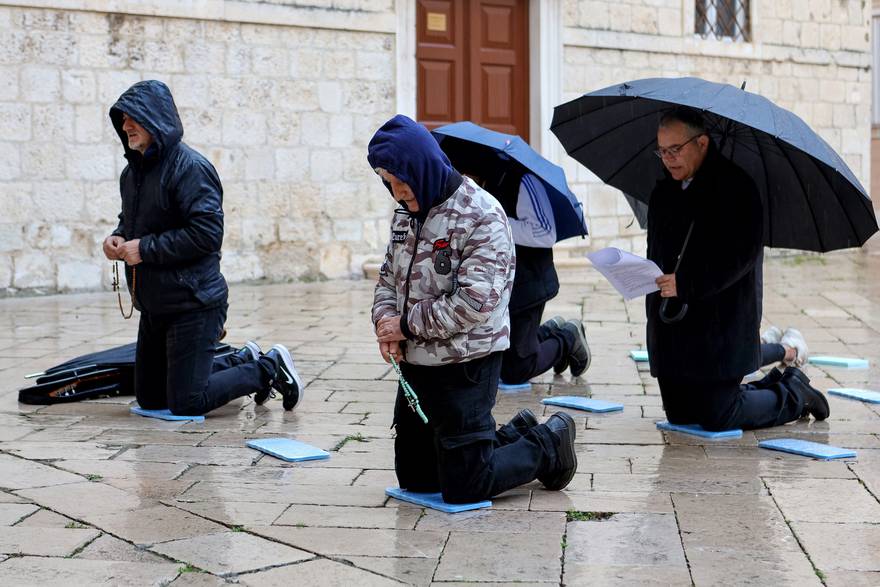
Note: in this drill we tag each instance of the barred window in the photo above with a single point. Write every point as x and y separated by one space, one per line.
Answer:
723 19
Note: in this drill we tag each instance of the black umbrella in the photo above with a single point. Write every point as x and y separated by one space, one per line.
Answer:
106 373
812 200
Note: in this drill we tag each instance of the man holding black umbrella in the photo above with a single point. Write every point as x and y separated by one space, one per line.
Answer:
705 228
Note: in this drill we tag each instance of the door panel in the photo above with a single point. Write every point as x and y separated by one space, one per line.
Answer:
440 54
473 63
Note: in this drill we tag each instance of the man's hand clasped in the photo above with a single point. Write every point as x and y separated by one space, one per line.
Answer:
389 336
117 248
666 283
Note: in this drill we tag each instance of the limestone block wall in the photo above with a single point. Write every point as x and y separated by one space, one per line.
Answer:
810 56
283 108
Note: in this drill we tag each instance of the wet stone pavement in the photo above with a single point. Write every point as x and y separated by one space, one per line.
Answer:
92 495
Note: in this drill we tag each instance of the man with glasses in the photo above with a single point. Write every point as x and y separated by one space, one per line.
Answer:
707 212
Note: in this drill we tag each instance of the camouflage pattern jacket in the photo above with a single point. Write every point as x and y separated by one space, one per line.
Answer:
451 276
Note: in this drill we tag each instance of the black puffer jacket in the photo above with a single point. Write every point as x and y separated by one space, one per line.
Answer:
173 201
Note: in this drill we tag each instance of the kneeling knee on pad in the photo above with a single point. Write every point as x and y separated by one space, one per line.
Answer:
465 476
463 495
187 409
716 423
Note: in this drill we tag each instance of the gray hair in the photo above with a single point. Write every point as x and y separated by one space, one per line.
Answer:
690 117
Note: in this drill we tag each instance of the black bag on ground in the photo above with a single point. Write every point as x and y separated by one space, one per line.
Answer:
106 373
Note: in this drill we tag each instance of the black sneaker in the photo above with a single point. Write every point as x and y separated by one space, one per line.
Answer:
286 380
579 358
815 403
251 351
562 427
524 421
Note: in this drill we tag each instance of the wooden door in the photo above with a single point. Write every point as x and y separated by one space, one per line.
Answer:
472 58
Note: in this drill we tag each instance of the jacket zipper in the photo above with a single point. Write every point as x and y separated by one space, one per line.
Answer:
138 183
411 261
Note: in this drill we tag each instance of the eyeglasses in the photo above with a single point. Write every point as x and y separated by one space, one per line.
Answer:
675 150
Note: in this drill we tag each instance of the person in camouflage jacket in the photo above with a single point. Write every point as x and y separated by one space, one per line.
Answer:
440 309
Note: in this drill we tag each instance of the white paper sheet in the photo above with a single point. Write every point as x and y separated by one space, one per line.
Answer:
631 275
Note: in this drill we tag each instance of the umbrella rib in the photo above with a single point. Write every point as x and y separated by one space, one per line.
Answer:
803 191
822 172
766 184
614 129
628 161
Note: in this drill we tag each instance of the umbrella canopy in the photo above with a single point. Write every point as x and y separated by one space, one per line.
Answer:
472 147
812 200
100 374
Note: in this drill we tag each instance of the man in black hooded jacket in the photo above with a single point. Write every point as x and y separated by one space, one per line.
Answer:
169 235
712 205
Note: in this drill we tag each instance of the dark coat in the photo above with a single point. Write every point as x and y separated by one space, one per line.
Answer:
172 201
718 338
535 281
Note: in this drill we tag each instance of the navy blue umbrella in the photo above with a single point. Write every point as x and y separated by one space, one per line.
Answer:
474 149
812 200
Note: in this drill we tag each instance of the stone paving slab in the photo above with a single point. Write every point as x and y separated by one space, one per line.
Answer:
358 541
682 509
154 524
475 557
59 572
227 553
316 572
44 541
850 546
11 513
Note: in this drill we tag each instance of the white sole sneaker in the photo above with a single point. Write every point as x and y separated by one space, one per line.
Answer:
771 336
794 339
290 369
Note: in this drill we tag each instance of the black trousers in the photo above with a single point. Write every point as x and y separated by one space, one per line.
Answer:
458 452
771 353
533 349
723 405
175 367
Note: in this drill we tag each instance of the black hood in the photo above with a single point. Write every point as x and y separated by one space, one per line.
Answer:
151 105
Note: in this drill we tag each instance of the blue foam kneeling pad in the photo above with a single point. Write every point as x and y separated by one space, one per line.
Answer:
697 430
514 386
865 395
807 448
847 362
434 501
582 403
639 355
163 414
288 450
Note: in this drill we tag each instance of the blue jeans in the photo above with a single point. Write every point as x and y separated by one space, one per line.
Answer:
175 367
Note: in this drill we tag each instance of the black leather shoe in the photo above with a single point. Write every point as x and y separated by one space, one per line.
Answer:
524 421
815 403
579 358
562 427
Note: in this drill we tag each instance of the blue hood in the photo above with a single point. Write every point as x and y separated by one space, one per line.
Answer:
407 150
151 105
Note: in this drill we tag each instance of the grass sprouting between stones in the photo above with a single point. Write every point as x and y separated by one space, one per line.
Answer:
576 516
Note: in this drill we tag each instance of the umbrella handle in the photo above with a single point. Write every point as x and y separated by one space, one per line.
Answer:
672 319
